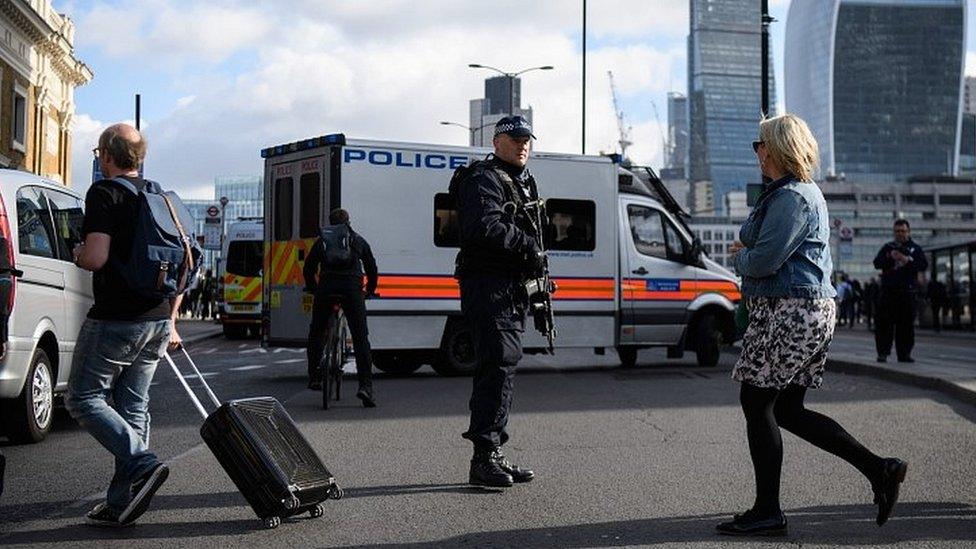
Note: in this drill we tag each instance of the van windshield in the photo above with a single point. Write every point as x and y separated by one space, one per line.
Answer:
245 257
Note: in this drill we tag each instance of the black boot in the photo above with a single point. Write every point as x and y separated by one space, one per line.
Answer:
517 473
485 471
886 488
365 394
751 523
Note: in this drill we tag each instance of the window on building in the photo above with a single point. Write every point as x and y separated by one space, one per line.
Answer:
839 197
918 199
956 199
445 222
878 198
707 235
310 205
283 196
34 229
572 225
18 126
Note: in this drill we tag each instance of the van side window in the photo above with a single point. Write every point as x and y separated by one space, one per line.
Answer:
445 222
647 231
572 225
283 193
34 228
68 213
676 245
310 205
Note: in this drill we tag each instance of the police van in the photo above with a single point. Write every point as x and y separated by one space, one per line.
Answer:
630 274
239 295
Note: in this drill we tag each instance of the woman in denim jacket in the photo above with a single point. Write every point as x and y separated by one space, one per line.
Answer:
783 256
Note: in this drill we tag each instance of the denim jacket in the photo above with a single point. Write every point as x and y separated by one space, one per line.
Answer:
787 243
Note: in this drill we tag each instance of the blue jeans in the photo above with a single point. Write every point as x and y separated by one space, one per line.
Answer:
117 359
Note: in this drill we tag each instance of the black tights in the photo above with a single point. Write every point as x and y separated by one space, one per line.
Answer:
767 410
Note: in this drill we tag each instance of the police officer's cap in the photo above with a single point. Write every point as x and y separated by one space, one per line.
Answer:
516 126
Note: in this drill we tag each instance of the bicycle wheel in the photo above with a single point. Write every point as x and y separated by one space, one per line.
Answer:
328 358
340 352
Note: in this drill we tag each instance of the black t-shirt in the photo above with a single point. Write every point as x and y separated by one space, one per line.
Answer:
112 209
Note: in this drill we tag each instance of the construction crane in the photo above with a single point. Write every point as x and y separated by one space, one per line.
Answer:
619 114
666 144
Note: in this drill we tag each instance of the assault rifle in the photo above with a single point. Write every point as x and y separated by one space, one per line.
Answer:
540 286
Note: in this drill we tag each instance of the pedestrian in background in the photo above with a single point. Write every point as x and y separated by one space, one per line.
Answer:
783 256
844 299
123 337
900 262
871 291
857 293
937 296
207 291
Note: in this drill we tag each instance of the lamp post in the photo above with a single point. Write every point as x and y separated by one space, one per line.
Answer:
465 126
511 80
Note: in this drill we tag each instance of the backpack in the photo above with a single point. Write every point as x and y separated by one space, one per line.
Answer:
164 260
337 240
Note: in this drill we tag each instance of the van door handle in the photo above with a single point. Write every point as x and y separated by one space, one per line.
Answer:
641 271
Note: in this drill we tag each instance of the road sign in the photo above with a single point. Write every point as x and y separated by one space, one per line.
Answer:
837 223
211 233
846 233
213 211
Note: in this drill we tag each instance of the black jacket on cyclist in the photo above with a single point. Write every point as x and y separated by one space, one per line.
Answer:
345 286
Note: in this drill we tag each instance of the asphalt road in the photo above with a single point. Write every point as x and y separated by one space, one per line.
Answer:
650 456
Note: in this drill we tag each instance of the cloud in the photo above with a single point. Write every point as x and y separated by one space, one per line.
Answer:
342 66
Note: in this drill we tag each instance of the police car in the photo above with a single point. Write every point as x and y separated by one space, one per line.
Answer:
629 271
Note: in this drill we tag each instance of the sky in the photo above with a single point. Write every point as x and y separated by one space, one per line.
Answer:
222 79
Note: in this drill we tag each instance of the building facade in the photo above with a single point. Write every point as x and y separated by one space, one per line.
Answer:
879 82
676 159
38 76
244 193
716 234
502 95
725 93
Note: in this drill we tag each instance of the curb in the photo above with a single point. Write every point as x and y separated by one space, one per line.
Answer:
921 381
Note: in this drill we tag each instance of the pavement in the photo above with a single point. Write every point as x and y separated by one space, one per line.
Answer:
945 362
651 456
194 330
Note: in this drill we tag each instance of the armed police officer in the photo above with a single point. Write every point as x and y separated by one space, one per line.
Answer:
501 247
334 272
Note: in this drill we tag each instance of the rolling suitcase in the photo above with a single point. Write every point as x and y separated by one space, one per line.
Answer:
263 452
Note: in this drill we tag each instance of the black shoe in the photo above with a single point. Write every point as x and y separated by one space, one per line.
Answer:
517 473
103 517
315 384
143 491
886 490
485 471
366 395
882 358
907 360
750 524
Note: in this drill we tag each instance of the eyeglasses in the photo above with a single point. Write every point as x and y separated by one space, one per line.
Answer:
755 145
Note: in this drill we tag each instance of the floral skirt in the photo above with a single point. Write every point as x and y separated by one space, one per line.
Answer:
786 342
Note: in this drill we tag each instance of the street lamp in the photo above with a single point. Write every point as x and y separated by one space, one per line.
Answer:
511 80
465 126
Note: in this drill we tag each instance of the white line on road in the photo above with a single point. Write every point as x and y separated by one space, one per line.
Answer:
289 361
246 368
257 350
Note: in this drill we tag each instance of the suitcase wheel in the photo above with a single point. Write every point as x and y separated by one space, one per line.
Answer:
335 492
271 522
317 511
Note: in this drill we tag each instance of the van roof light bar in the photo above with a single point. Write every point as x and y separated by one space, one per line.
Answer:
304 145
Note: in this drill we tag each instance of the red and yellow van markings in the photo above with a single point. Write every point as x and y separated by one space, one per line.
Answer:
656 289
241 288
285 267
446 287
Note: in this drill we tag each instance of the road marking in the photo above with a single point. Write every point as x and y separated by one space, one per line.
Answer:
246 368
250 351
289 361
287 350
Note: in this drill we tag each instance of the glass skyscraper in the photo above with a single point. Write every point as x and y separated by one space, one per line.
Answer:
880 83
725 93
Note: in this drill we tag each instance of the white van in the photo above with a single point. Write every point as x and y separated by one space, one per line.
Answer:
40 221
630 273
239 287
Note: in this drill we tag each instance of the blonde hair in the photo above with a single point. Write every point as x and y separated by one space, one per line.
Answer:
791 145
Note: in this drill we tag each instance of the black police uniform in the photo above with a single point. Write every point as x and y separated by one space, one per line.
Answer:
498 248
347 283
895 315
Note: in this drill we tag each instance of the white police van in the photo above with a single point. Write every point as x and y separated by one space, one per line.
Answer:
40 222
629 272
239 285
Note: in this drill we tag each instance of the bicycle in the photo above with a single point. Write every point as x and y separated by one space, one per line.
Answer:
335 352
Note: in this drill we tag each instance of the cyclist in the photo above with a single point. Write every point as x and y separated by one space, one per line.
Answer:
334 271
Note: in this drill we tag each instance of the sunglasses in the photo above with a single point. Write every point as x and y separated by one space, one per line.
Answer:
755 145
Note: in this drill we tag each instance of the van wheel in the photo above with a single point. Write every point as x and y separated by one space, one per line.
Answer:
32 413
708 340
456 356
628 356
235 331
396 363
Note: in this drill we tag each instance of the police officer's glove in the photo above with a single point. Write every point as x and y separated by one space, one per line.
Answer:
535 260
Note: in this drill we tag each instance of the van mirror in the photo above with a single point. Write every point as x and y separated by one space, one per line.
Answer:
695 252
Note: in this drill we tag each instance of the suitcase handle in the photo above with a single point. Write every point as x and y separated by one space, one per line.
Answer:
186 386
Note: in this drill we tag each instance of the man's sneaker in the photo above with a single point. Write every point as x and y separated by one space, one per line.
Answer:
485 471
366 395
103 517
517 473
143 491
